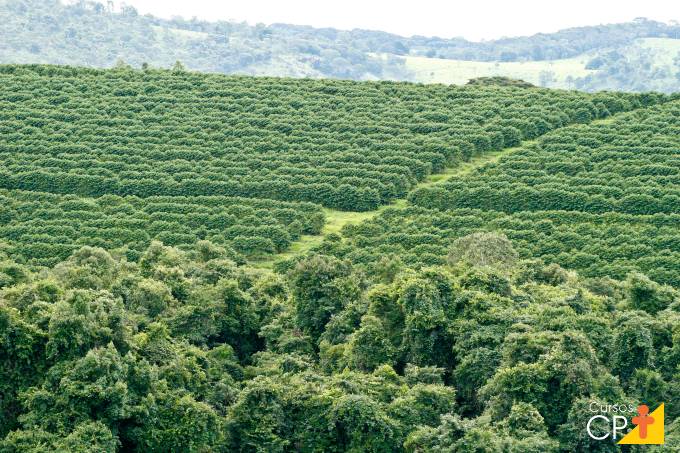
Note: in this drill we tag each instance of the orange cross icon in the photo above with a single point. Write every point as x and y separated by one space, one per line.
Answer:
643 420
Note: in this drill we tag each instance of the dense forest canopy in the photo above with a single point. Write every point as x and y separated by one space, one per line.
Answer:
89 33
186 351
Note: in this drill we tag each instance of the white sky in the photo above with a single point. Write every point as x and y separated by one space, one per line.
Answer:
471 19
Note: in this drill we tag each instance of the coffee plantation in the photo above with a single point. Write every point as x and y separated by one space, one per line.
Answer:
120 139
207 263
601 198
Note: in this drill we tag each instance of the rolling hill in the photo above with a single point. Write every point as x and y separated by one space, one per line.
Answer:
117 158
214 263
637 56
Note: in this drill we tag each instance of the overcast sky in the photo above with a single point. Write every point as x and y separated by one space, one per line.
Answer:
471 19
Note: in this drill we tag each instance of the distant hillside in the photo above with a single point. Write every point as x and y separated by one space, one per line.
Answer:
636 56
645 64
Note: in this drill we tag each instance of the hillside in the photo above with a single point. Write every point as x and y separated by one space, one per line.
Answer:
115 159
644 64
118 158
203 262
602 198
635 56
554 73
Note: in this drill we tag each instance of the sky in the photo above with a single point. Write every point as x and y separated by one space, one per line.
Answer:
472 19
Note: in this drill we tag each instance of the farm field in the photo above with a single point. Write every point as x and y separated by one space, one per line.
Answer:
459 72
207 263
186 137
602 198
561 73
47 228
337 221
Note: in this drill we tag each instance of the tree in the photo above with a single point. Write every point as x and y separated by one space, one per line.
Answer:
572 434
88 437
150 297
649 386
362 426
121 65
321 287
423 404
170 421
369 347
256 422
633 348
644 294
89 388
84 320
178 67
89 267
22 362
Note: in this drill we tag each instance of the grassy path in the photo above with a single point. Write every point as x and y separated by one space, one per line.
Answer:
336 220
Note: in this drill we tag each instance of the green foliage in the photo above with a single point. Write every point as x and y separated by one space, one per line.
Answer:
88 33
647 295
129 165
175 422
86 437
649 63
572 435
369 346
100 354
650 387
483 249
322 287
361 425
633 347
500 81
257 418
150 332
